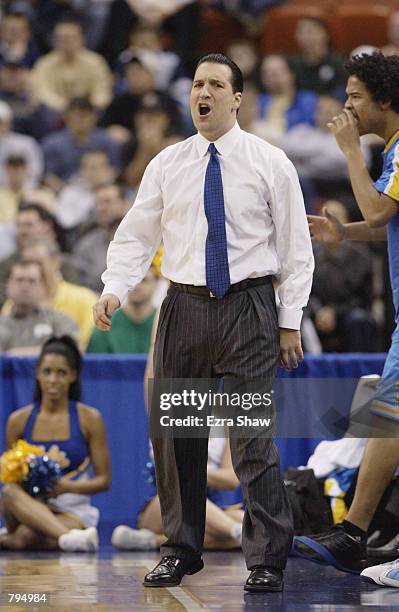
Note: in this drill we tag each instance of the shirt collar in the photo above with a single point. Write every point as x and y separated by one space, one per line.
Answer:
19 315
224 144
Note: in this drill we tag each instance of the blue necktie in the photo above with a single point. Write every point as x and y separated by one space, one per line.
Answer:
217 263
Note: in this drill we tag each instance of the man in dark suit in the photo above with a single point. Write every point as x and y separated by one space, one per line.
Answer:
229 210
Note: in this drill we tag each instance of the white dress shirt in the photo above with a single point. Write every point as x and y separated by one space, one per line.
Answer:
75 203
266 226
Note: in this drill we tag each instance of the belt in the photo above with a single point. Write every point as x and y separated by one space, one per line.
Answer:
204 291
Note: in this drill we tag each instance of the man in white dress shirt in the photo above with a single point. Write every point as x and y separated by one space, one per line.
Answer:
229 210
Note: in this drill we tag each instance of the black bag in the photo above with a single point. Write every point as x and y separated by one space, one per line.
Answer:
310 509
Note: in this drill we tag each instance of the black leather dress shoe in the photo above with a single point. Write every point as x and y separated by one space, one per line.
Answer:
170 570
264 578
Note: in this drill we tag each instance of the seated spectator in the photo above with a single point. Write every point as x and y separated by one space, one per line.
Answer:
94 16
131 324
29 323
223 523
248 117
71 71
90 251
17 191
33 223
76 200
341 297
145 44
72 300
282 106
16 41
63 150
11 195
392 48
244 54
250 13
304 143
152 123
73 434
169 73
316 67
178 18
18 144
44 16
29 116
119 117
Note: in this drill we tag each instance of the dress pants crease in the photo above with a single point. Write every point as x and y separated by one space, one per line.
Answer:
235 338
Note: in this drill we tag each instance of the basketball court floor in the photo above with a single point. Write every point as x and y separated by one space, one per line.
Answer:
111 581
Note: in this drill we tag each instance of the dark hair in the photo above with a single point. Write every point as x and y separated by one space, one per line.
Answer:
80 103
237 81
15 160
380 75
17 14
42 212
94 151
46 216
25 263
66 347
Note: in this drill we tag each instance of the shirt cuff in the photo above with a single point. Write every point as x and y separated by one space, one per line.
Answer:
118 289
290 318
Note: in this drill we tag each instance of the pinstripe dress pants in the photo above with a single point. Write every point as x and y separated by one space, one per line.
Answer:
201 337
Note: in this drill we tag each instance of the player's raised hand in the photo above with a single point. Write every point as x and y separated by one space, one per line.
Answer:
104 309
344 127
326 227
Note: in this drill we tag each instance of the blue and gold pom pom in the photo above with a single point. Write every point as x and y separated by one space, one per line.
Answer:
42 476
14 463
28 466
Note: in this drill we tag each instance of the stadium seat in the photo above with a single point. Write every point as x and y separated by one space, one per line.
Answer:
358 24
330 5
391 4
278 34
327 5
218 30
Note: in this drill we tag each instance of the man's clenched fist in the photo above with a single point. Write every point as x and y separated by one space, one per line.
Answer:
104 309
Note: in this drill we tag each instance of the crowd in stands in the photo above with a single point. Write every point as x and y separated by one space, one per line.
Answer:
91 91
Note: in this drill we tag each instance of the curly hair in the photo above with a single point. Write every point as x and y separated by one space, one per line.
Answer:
379 73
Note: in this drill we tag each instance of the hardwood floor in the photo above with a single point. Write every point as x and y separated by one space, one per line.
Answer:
110 581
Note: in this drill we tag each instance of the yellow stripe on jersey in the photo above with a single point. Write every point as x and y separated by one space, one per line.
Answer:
391 141
392 189
377 405
80 470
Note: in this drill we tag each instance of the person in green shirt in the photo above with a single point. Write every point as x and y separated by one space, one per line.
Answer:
131 324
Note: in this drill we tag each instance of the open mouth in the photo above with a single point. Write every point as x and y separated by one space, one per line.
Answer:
204 110
355 116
